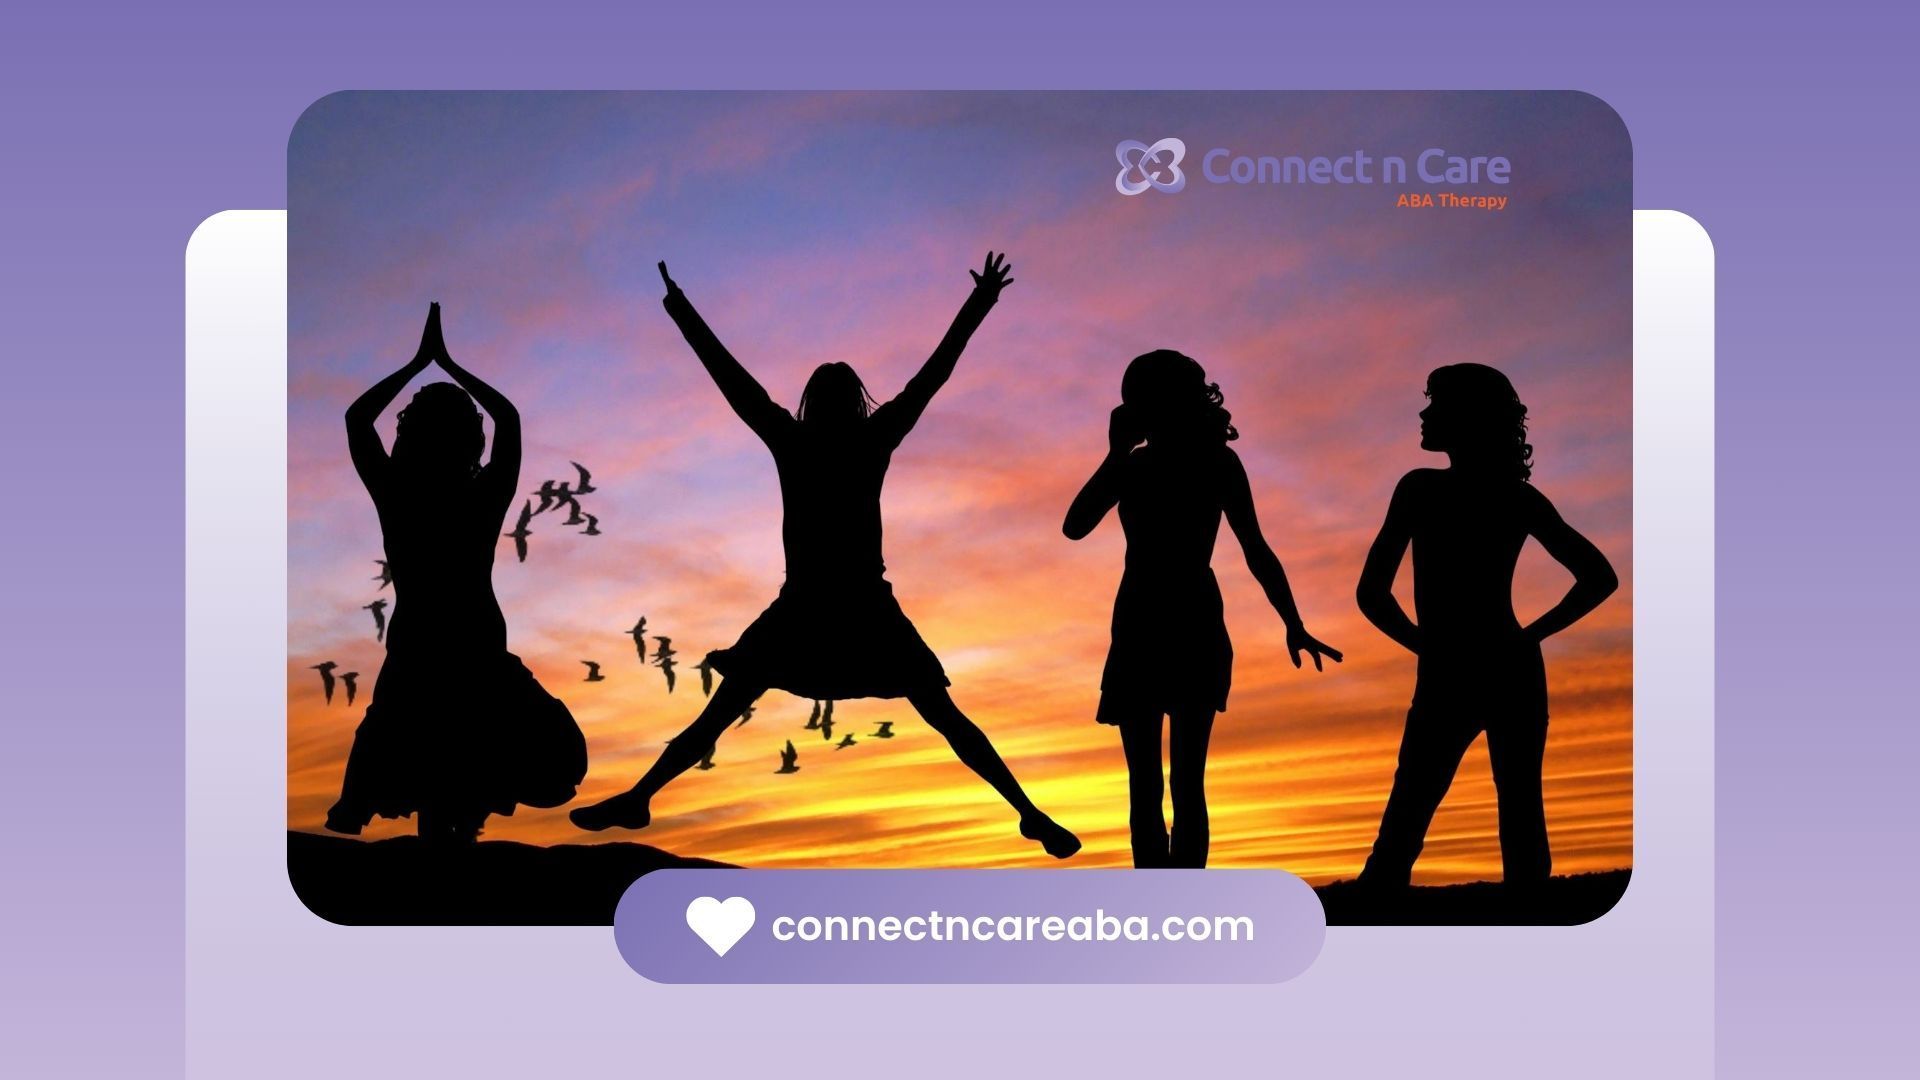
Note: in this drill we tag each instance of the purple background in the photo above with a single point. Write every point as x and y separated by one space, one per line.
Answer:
1787 134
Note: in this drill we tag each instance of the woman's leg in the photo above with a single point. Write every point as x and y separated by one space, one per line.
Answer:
1146 818
1187 753
971 746
1430 754
630 809
1517 749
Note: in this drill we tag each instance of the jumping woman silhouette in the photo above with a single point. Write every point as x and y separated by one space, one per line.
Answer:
835 632
1479 669
1170 655
458 728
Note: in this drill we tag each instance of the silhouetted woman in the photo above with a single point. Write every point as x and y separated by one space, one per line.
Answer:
457 729
835 632
1170 655
1480 669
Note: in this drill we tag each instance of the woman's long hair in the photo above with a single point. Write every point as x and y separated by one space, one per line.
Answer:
1486 410
439 433
1173 398
835 393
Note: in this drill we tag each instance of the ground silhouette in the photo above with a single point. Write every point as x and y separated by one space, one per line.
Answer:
407 881
1560 901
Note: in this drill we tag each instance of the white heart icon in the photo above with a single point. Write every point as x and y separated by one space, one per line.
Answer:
720 923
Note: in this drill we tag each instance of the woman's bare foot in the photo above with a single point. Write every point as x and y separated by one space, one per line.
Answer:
627 810
1059 843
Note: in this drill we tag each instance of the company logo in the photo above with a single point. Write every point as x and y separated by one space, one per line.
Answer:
1156 166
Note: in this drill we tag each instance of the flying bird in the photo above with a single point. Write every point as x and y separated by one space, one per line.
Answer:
575 515
885 732
520 531
550 493
585 486
593 526
663 655
639 636
379 609
348 678
789 759
385 576
826 723
593 672
706 760
845 741
813 720
326 678
746 714
705 668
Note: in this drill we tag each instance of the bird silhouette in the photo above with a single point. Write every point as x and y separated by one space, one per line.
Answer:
348 679
706 760
639 636
520 531
705 668
575 515
593 672
813 720
663 655
885 731
789 759
385 576
593 526
379 609
585 486
746 714
826 721
550 493
326 678
845 741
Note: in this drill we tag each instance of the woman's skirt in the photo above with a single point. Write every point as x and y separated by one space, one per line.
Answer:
834 641
480 737
1170 651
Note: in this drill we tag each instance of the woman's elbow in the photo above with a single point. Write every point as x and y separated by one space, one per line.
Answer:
1604 581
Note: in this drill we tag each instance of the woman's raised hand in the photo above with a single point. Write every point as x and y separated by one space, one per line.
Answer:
673 288
1299 641
432 345
991 278
1123 430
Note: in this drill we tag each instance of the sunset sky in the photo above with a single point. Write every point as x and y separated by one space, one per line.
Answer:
810 228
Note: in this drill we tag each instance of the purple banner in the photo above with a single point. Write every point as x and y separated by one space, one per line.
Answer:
969 926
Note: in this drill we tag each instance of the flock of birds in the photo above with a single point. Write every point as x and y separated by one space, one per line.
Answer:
821 719
555 495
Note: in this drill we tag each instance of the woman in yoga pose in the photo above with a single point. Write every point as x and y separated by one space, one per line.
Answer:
458 728
835 631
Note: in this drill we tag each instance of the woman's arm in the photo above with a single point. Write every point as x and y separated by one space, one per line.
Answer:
1102 489
1238 500
502 472
749 400
1593 576
363 441
1375 594
904 410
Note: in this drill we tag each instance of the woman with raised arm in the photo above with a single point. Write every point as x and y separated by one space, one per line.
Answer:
1479 669
458 728
1170 655
835 632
